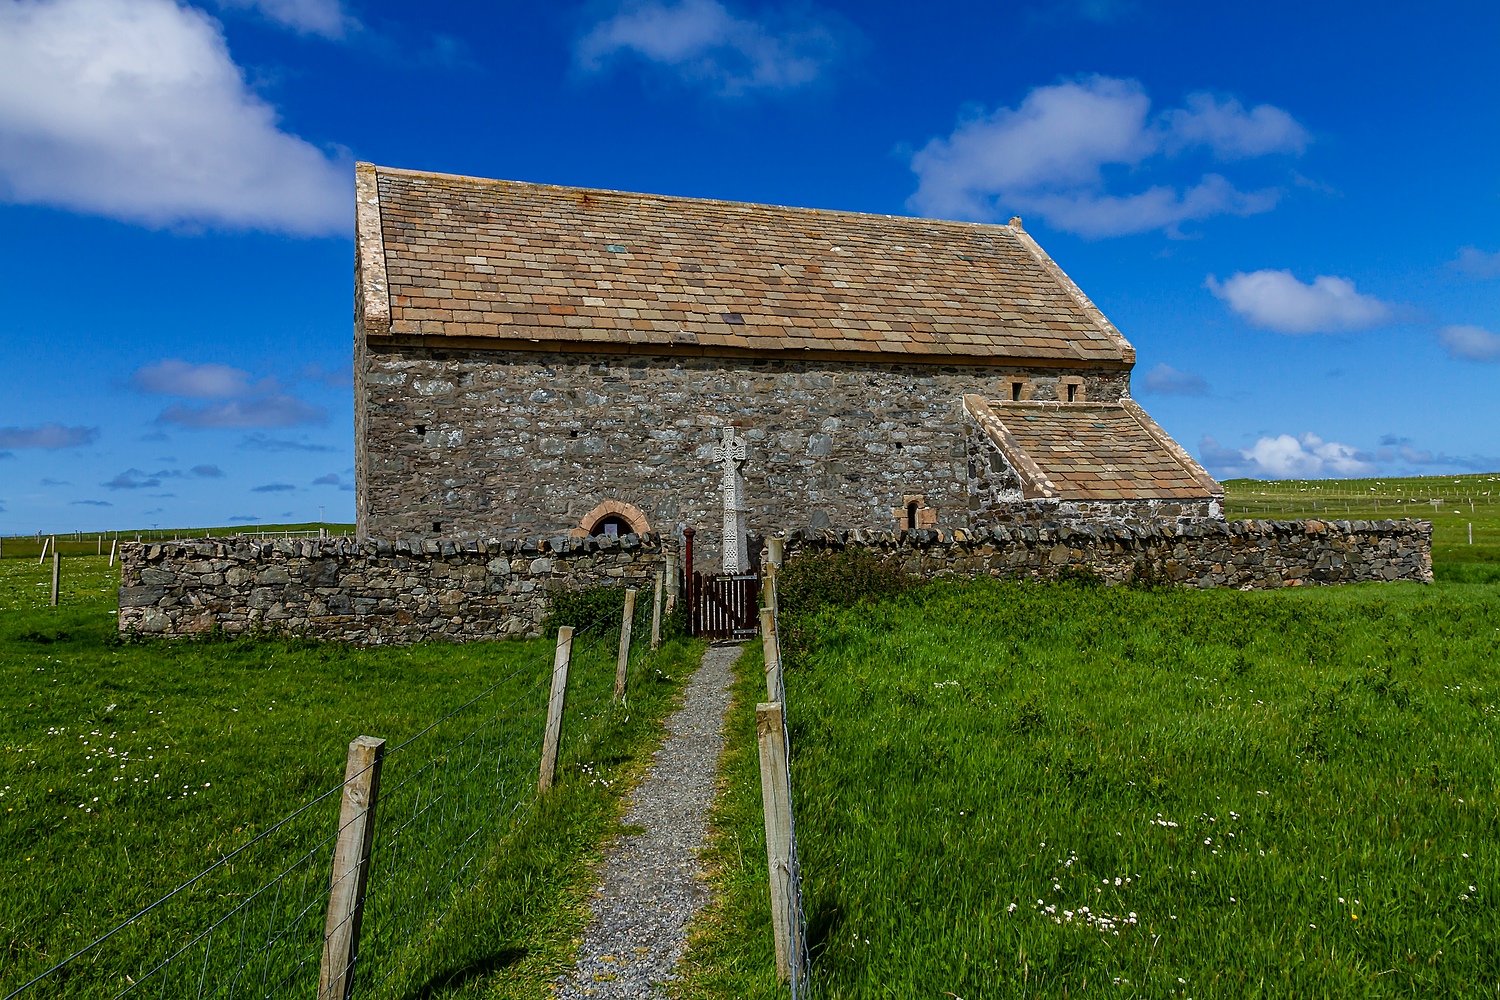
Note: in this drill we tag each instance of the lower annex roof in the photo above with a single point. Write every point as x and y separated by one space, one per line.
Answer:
1090 451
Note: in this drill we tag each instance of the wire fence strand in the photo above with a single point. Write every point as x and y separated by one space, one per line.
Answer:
253 922
797 919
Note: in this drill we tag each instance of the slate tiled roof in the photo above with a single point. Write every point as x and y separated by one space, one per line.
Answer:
1090 451
446 256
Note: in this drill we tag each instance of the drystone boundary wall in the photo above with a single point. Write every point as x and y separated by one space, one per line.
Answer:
368 593
377 592
1249 555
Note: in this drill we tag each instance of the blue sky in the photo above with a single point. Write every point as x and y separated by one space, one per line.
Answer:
1292 210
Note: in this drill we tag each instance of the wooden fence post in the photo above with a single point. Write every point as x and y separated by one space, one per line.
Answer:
656 613
673 583
772 650
49 540
112 546
622 663
56 574
776 797
687 580
555 707
351 868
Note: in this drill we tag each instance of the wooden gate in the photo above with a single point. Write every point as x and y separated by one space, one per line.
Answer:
724 607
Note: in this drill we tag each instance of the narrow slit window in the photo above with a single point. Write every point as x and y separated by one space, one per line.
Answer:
911 516
1072 392
1015 392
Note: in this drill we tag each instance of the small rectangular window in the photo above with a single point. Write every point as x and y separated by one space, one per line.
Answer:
1072 393
437 526
1015 392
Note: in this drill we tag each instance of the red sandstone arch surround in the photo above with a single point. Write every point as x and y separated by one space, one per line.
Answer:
627 512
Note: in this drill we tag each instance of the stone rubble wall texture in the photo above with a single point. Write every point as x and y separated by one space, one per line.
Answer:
368 593
528 442
1248 555
377 592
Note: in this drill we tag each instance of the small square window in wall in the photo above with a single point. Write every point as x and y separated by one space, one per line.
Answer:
914 513
1071 390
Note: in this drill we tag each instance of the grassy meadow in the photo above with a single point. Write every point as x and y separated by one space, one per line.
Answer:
1015 789
128 768
1011 790
1462 502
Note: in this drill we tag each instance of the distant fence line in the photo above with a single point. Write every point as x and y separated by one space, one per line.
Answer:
99 542
311 906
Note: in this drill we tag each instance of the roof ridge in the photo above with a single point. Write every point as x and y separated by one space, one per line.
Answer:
501 181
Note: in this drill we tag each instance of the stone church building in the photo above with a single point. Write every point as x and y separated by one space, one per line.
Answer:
535 361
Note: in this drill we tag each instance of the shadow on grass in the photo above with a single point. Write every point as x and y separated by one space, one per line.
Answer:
1457 572
456 979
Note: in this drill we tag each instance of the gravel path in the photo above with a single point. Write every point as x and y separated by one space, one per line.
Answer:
652 882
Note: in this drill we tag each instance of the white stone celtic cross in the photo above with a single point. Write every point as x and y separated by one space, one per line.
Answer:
731 454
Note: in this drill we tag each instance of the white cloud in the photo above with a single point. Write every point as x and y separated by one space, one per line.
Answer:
703 42
1475 263
1470 343
246 404
260 442
173 377
133 109
1277 301
1168 381
47 436
273 410
307 17
1287 457
1094 215
1232 132
1049 155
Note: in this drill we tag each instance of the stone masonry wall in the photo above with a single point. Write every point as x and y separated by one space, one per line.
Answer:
368 593
1249 555
481 442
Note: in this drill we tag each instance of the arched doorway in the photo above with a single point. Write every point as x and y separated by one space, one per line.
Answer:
614 518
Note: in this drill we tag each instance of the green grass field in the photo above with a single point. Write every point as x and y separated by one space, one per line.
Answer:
1462 502
1019 789
128 768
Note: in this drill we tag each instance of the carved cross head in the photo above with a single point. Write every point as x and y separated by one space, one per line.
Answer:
731 451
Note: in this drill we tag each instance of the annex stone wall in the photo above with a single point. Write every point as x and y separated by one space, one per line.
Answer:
368 593
472 443
1248 555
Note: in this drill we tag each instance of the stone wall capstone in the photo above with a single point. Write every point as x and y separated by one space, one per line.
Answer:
368 593
1249 555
